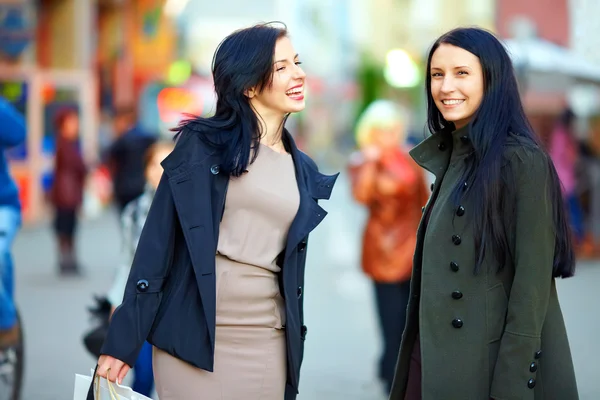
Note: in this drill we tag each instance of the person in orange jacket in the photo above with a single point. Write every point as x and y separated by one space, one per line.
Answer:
393 188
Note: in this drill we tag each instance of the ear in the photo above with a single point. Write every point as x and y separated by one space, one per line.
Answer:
249 93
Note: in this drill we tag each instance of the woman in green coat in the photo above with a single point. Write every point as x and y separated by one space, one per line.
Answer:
484 320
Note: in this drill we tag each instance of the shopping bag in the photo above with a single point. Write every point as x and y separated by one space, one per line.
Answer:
101 389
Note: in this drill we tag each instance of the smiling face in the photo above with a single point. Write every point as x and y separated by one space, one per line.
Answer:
457 85
286 92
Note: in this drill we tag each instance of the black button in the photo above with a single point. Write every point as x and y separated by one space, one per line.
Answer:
454 266
460 211
302 246
456 295
431 187
533 367
215 169
465 186
457 323
442 146
464 139
456 239
142 285
531 383
538 354
303 332
299 291
422 210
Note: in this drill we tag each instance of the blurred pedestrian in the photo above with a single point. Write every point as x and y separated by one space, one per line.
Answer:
564 151
12 133
216 284
484 320
67 189
125 156
132 221
392 187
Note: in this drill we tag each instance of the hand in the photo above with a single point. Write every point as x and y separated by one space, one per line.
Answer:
371 153
112 369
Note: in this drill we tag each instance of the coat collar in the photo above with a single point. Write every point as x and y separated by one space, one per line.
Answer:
191 151
435 152
318 185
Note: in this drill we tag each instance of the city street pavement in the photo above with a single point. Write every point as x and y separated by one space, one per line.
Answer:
342 341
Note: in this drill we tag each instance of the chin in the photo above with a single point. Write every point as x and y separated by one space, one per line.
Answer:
296 108
453 118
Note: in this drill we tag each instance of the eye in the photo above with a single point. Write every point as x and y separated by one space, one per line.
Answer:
280 68
298 62
436 74
463 73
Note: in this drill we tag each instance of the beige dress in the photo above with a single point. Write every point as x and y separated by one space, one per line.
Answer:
250 347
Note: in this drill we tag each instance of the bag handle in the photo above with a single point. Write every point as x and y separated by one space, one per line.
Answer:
96 379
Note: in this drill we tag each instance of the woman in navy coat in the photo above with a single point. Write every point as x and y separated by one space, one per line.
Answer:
216 284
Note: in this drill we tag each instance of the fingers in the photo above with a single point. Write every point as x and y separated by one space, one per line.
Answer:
112 369
122 373
103 366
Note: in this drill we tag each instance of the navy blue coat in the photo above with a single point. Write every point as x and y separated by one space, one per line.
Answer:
170 297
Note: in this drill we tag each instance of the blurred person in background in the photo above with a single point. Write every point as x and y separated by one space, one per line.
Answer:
484 320
66 193
392 187
564 150
125 157
216 284
12 133
132 222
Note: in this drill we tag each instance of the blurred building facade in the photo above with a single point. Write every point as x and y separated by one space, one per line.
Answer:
87 55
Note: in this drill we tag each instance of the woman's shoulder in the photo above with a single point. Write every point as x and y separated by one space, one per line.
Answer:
525 157
189 146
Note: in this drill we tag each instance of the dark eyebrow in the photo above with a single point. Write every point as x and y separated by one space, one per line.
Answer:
296 56
459 67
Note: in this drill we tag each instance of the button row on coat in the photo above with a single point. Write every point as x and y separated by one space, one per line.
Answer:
456 239
457 294
533 367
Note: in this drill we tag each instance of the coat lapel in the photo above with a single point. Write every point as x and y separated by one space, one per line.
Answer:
433 153
312 186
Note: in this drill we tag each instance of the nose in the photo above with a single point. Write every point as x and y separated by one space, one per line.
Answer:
447 85
300 74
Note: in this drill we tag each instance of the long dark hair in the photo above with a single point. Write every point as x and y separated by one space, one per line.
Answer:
243 60
499 115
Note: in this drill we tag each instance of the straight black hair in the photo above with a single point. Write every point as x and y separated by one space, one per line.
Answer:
500 114
242 61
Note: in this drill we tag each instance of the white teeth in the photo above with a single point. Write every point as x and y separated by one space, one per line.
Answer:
294 91
452 102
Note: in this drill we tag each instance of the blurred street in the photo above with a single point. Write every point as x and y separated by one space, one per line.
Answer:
342 343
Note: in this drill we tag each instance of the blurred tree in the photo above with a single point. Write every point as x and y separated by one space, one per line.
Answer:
371 83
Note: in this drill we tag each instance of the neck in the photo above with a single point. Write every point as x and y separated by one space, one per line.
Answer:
271 127
272 131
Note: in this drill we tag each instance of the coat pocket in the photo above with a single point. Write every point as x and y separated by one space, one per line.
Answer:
496 309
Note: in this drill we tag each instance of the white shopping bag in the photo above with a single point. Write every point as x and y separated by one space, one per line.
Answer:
103 389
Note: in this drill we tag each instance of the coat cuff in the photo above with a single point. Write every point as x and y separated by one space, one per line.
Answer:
515 374
130 326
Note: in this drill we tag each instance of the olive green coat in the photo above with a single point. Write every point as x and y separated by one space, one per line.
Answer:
496 334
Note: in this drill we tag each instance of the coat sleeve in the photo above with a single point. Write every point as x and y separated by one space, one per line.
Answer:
133 319
520 347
